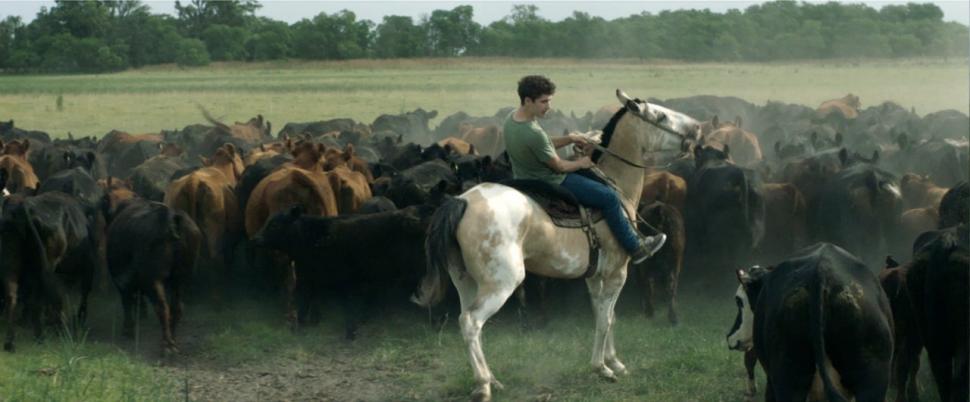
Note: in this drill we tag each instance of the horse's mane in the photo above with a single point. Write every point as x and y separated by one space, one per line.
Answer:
608 133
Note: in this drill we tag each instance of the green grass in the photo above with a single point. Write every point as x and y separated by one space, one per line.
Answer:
156 98
401 355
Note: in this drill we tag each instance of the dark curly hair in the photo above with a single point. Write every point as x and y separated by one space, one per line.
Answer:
534 86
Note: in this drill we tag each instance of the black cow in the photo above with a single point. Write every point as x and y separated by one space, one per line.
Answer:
417 185
821 312
909 344
859 210
8 131
938 283
152 251
955 206
150 179
412 125
338 255
61 156
724 212
47 242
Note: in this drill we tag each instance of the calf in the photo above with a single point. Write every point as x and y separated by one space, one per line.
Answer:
819 314
357 257
47 242
152 250
663 268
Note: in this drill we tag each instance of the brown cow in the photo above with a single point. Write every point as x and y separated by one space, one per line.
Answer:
17 174
745 148
785 220
845 108
919 191
207 196
664 267
914 222
334 158
487 140
268 150
665 187
115 142
350 189
252 132
457 146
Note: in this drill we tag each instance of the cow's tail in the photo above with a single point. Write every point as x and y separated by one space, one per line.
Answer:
217 123
441 249
47 279
816 322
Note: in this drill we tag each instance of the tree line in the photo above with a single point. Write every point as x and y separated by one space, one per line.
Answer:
114 35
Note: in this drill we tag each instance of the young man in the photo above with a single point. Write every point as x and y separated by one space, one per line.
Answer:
533 156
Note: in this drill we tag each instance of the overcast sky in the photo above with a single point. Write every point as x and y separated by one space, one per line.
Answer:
485 11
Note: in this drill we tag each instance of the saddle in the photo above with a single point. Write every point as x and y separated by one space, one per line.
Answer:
565 211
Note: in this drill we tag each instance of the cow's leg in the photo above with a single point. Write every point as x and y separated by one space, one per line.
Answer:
750 361
792 377
289 284
11 299
492 287
176 305
646 286
672 279
905 365
164 316
941 364
87 282
129 303
609 287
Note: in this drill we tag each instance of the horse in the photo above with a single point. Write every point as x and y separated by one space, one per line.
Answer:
489 236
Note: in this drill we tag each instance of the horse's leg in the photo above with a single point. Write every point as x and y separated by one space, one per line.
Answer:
604 292
490 294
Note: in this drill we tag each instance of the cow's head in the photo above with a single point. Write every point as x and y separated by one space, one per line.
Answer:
16 147
741 335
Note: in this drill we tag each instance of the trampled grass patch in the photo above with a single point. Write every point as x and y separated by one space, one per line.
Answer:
156 98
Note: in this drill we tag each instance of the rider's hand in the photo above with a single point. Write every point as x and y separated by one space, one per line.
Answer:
585 162
578 139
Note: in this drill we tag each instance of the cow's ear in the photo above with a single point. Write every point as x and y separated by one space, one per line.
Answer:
844 157
204 160
161 145
1 145
891 262
26 145
231 149
433 114
348 151
321 148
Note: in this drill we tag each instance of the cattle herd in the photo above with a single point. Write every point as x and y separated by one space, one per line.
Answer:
339 209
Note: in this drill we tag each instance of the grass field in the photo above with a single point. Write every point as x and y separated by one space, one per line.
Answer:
156 98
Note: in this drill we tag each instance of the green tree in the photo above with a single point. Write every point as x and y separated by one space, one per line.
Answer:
452 32
197 15
337 36
225 42
397 36
192 52
271 40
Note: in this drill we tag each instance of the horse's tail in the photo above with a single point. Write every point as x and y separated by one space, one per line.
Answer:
441 248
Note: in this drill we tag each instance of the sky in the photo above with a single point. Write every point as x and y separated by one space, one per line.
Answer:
485 12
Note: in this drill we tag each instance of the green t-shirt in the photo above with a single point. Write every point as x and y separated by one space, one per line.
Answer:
529 149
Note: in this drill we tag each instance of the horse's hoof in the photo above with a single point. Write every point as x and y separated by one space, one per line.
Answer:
606 373
618 368
482 394
497 384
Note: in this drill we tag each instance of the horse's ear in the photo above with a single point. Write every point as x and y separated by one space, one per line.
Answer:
777 147
891 262
629 103
738 121
715 123
727 150
844 157
838 139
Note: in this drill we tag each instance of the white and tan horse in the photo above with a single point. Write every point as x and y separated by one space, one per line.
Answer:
488 237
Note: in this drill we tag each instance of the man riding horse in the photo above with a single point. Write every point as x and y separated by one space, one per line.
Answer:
533 156
487 238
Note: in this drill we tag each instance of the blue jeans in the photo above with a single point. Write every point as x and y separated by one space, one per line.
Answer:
597 195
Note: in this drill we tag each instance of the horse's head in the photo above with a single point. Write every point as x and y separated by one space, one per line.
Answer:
661 129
